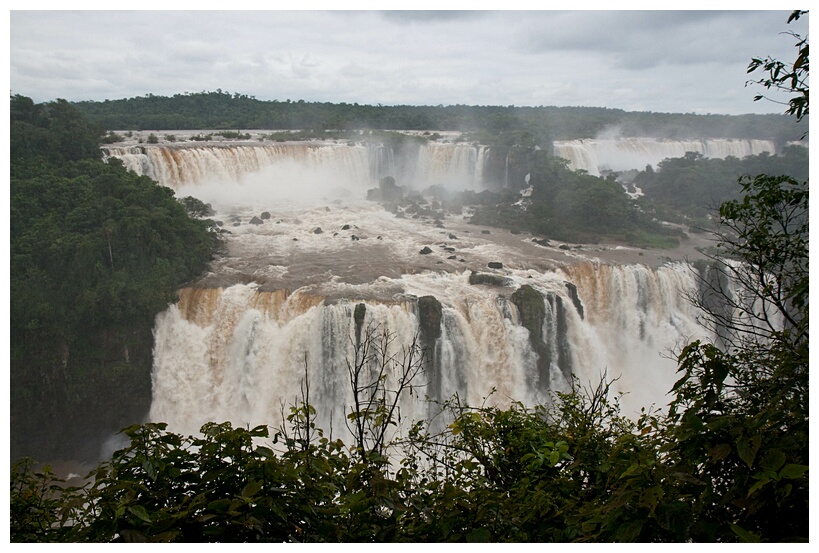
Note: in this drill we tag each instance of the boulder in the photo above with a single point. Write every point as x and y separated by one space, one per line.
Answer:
490 280
256 221
430 314
495 265
425 251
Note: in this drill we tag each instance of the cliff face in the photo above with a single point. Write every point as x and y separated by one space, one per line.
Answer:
72 397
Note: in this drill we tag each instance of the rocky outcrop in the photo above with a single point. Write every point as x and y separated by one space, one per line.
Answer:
535 310
358 319
578 305
430 313
491 280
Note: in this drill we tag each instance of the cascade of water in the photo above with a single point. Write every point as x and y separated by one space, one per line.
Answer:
594 155
240 354
456 165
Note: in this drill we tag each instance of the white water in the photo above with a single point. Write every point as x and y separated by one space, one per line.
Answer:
321 164
281 301
621 154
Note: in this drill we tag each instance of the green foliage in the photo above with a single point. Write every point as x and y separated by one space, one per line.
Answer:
691 187
495 125
575 206
788 77
95 253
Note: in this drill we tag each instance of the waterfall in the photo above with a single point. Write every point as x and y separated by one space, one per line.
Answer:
240 353
286 302
595 155
459 166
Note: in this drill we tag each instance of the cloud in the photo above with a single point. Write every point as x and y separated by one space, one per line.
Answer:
634 60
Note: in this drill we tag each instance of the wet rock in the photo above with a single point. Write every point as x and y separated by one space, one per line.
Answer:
265 215
256 221
495 265
452 257
532 310
564 247
578 305
318 230
485 232
425 251
237 224
346 227
358 318
354 237
541 242
438 223
430 314
452 236
491 280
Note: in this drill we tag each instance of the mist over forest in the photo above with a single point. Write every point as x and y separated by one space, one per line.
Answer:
523 125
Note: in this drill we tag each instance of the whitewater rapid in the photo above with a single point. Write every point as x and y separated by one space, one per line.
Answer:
279 305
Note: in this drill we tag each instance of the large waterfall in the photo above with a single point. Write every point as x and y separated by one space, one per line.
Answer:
285 302
240 353
621 154
333 164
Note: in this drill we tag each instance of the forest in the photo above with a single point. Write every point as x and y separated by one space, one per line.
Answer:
96 252
542 124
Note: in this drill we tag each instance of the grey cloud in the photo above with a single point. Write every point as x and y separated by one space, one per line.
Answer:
658 61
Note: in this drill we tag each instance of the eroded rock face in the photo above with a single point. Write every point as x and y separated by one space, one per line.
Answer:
430 314
532 310
358 318
575 298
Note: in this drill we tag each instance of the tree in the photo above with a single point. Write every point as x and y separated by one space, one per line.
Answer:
787 77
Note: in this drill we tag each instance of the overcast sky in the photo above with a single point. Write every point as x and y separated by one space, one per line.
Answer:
662 61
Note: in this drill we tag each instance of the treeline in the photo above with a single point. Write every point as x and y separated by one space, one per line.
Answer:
573 206
690 188
96 252
223 110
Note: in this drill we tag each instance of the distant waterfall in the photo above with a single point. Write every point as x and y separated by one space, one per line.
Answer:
460 166
595 155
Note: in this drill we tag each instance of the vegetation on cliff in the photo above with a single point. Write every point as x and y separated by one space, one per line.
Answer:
96 252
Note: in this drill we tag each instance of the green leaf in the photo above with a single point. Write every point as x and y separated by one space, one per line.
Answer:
744 535
719 452
479 535
140 512
747 449
251 488
773 460
792 471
